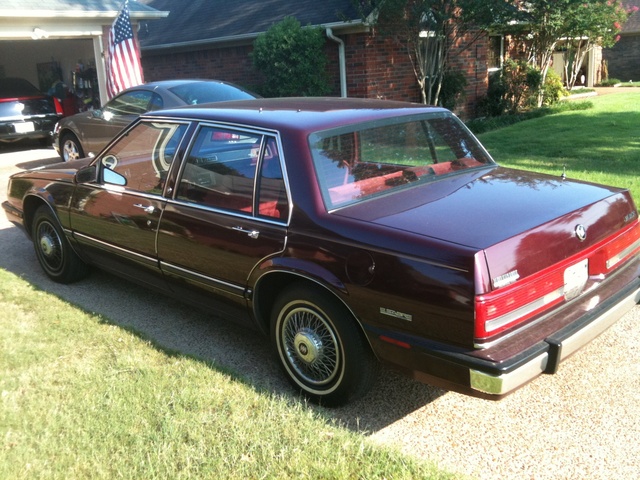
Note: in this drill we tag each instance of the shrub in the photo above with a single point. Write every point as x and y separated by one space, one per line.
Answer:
610 82
494 103
553 89
482 125
452 92
515 87
292 60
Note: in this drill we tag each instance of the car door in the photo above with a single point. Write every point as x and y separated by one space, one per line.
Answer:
101 126
115 219
230 211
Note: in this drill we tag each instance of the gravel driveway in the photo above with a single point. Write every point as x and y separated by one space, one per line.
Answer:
582 423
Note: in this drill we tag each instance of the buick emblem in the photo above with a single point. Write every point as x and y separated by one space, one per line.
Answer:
581 232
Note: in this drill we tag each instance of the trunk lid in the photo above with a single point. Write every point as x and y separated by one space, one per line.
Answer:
523 221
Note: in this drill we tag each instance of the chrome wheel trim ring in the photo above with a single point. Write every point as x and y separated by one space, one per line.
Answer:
310 347
50 247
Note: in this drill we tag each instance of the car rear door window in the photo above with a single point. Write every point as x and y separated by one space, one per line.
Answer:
222 168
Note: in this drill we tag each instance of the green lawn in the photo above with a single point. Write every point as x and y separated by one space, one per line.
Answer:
600 145
84 399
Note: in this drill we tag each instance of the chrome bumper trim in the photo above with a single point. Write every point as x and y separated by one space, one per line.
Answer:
559 349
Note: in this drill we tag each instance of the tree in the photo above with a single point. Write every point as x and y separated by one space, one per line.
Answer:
582 24
430 28
591 23
292 60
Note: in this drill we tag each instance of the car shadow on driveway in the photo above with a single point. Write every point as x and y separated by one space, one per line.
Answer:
175 327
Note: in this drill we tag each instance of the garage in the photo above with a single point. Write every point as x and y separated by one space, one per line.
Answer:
58 45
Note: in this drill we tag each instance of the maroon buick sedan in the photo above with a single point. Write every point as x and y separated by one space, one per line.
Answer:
350 233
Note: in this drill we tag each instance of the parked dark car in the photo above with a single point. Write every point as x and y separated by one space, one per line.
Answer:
26 112
86 133
351 232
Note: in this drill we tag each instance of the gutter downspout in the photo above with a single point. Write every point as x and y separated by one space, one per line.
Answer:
341 60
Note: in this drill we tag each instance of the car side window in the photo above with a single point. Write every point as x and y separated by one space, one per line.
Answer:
156 102
272 193
141 159
221 168
130 103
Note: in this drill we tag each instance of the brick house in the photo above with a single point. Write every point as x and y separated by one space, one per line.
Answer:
623 59
213 39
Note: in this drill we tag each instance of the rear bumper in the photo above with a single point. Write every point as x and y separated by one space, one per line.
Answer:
496 371
42 128
555 349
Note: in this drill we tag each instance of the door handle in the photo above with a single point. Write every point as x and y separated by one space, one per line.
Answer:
147 208
250 233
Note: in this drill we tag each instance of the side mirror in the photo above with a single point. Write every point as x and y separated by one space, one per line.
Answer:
86 174
97 113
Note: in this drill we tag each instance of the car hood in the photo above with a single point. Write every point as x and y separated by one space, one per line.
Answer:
60 171
523 221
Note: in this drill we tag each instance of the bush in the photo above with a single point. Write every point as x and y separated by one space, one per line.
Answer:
495 103
513 88
452 91
292 60
482 125
610 82
553 89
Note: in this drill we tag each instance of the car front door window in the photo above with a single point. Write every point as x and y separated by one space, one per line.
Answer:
143 156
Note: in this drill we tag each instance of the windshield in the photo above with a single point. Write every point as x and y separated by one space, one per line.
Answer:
361 161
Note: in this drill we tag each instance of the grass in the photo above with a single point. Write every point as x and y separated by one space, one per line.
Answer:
82 398
600 144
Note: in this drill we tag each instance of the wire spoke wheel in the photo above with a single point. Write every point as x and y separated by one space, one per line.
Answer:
320 346
311 346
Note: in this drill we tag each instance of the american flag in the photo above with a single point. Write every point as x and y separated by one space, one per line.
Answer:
123 66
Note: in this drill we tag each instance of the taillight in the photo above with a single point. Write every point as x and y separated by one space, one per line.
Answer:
500 310
59 110
506 307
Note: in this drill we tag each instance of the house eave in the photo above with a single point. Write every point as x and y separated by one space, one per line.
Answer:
339 28
80 14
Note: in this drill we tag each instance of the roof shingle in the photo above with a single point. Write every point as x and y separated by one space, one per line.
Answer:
202 20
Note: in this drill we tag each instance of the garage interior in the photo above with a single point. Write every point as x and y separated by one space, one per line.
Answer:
60 51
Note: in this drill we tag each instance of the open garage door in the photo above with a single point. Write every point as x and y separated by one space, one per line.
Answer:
65 68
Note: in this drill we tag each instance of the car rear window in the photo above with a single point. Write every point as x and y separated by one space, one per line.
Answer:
17 87
361 161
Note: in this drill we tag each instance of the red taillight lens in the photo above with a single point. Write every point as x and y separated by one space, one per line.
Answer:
500 310
59 110
506 307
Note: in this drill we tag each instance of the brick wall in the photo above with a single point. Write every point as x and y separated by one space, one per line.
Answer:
231 64
376 67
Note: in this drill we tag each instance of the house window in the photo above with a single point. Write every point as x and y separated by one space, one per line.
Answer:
495 53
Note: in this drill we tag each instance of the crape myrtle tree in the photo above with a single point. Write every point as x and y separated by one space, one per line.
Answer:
592 23
430 28
580 24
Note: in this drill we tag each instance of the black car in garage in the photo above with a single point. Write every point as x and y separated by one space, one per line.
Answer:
26 112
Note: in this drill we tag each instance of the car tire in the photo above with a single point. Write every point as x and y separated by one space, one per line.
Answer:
70 148
321 348
55 255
